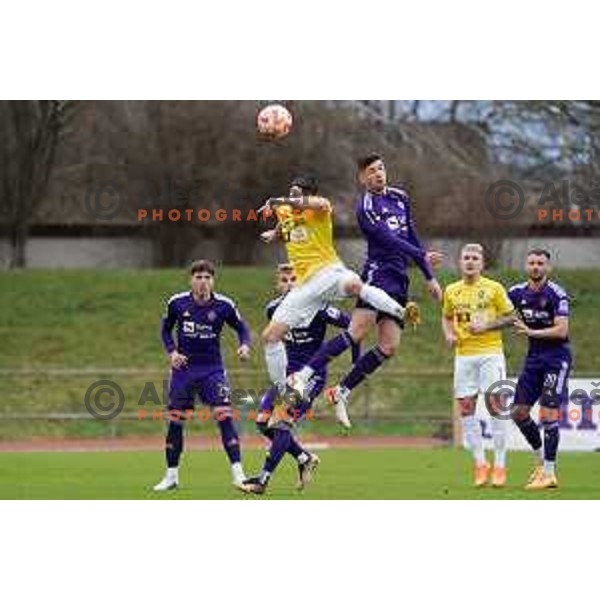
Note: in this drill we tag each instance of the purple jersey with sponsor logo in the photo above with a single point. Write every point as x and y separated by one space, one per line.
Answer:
386 222
537 309
302 342
199 327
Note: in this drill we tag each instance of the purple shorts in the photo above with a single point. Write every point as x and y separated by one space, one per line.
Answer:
544 378
393 283
211 387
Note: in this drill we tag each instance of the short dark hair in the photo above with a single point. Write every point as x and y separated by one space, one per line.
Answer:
202 266
307 183
368 159
285 268
539 252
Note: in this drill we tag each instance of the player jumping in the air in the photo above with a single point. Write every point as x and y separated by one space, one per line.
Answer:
474 310
305 226
384 216
301 343
543 310
197 366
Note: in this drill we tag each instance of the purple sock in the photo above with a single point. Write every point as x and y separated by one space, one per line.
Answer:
294 447
231 441
329 350
366 364
551 439
279 446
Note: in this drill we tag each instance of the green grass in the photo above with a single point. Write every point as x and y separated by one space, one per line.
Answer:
110 318
344 474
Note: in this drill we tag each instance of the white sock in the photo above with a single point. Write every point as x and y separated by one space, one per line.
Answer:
264 477
276 358
305 373
173 473
549 468
237 471
380 300
472 434
499 436
302 458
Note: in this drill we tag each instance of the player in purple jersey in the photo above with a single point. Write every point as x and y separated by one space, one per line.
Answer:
385 218
301 343
197 366
542 308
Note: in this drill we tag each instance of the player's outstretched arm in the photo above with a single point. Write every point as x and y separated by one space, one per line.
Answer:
317 203
558 331
499 323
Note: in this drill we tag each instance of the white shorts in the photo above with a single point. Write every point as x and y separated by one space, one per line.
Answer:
303 302
474 374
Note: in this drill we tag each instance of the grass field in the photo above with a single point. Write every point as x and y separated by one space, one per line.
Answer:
109 319
344 474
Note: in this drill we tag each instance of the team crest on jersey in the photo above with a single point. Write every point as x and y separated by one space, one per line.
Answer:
211 316
298 234
188 327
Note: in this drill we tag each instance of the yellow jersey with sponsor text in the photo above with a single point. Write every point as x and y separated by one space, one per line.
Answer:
308 237
480 302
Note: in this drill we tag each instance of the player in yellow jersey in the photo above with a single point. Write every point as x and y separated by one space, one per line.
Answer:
474 309
304 224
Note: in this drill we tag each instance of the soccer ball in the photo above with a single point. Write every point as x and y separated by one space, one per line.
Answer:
274 121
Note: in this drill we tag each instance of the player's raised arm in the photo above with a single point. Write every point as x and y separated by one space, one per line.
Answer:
316 203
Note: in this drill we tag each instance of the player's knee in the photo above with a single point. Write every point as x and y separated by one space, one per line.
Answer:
466 407
520 412
388 348
271 336
358 332
353 286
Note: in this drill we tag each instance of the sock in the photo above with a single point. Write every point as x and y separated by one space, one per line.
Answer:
499 437
473 437
279 446
531 432
174 443
328 351
551 439
381 301
276 358
294 447
230 439
237 472
173 473
366 364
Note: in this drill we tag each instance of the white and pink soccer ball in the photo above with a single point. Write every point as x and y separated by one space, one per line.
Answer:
274 121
